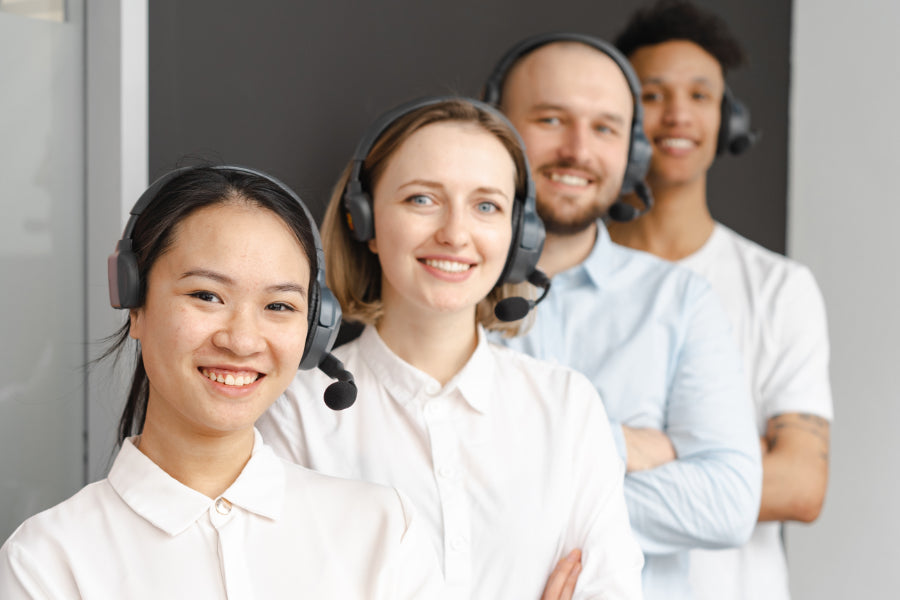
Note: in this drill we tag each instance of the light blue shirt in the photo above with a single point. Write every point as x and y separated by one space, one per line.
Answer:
655 341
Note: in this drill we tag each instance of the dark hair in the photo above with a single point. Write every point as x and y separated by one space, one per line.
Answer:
668 20
154 233
354 272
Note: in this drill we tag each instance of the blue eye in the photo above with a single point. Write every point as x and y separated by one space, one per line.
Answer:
487 207
420 200
550 120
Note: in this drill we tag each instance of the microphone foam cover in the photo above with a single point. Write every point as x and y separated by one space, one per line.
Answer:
340 395
512 309
622 212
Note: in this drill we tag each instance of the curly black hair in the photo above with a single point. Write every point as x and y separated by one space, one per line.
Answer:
668 20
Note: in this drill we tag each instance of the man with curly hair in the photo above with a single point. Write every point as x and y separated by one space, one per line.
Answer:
681 55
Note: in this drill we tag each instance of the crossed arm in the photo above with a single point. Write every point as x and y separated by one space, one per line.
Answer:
795 463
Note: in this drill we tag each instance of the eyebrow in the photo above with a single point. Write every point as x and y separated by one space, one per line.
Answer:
437 186
609 116
662 81
225 280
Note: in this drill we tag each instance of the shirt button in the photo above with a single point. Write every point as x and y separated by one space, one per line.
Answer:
223 506
433 388
446 472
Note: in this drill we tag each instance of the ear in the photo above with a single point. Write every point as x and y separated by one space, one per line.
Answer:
136 325
373 246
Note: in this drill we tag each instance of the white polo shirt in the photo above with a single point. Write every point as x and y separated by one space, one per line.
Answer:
778 319
279 531
511 464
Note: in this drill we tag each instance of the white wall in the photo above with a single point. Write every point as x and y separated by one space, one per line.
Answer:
843 222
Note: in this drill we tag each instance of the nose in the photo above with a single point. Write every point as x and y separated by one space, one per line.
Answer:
453 230
676 110
240 334
576 146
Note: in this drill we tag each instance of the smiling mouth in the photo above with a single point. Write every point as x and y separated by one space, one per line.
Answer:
568 179
236 380
677 143
448 266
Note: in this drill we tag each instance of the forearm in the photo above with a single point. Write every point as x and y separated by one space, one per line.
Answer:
706 501
795 468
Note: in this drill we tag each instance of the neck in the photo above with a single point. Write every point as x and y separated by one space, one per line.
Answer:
562 252
677 226
207 464
439 345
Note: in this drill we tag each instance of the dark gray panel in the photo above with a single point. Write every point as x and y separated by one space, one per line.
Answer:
289 86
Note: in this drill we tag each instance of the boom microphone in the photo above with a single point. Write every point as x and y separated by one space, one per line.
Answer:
516 307
623 212
342 393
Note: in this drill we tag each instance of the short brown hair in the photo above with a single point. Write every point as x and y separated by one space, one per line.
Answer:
353 271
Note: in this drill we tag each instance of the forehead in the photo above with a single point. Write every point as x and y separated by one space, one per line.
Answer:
568 74
449 146
676 61
235 234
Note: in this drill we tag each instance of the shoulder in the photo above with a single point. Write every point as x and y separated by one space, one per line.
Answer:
69 523
773 276
652 276
347 502
554 383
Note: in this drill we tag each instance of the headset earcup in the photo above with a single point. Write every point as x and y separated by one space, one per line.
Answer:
324 323
358 213
736 134
124 277
639 154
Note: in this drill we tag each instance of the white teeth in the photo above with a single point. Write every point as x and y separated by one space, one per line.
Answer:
679 143
568 179
229 379
448 265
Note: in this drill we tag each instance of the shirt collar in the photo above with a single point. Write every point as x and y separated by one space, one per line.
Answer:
599 268
407 383
173 507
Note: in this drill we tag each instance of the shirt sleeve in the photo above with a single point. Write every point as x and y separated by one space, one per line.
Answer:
23 577
599 525
709 496
798 381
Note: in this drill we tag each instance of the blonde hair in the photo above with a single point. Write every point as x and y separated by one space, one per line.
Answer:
353 271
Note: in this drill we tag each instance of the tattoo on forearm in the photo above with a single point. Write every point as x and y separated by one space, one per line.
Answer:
812 424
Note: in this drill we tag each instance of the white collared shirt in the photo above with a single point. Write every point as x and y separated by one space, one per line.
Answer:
279 531
511 464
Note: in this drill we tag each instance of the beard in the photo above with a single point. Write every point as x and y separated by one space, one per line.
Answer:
568 224
567 214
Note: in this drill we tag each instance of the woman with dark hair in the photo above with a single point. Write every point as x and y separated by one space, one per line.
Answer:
218 267
509 460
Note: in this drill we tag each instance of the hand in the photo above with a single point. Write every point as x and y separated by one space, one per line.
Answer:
561 584
647 448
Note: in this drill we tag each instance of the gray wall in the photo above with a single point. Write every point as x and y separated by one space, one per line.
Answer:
843 224
289 86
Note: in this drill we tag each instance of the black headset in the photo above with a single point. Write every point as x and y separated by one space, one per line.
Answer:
736 135
324 313
528 229
639 148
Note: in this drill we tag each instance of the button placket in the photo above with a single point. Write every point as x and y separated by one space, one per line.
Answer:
445 456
